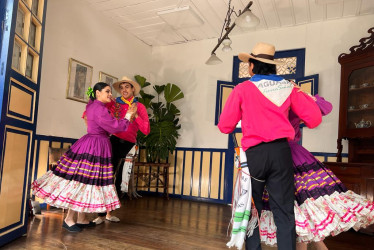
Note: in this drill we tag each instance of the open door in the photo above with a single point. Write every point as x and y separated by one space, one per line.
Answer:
21 54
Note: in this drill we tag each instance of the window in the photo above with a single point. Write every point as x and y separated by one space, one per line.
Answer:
20 23
29 64
34 7
32 34
16 60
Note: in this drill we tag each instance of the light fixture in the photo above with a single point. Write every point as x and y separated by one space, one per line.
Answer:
226 45
246 20
213 59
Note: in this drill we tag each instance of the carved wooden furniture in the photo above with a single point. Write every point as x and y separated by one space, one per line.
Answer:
156 175
356 118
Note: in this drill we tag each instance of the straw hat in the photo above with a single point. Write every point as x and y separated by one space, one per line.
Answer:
262 52
125 79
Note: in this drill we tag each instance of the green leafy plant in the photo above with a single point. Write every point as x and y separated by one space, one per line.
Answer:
163 118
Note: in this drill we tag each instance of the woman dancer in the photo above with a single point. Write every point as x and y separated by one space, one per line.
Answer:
323 205
83 179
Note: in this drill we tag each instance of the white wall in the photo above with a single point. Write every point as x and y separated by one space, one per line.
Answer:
184 64
74 29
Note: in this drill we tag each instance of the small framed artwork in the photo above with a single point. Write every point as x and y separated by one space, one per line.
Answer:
109 79
80 78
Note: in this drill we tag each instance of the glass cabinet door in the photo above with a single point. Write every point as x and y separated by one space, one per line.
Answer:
361 99
20 22
16 56
34 6
32 34
29 64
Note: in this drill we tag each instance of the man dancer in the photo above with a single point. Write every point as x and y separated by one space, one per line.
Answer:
262 104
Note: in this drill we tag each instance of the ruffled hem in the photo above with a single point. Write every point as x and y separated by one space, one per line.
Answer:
267 228
80 197
327 215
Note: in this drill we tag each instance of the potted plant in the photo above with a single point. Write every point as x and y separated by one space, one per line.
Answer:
163 118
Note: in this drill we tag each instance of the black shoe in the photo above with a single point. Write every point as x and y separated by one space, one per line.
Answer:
73 229
90 224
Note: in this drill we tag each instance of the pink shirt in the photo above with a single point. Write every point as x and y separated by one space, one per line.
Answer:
262 105
140 123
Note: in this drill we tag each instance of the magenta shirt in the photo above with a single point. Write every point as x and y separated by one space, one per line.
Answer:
100 122
140 123
262 105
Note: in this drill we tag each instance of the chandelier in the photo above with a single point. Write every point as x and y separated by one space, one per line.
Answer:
245 19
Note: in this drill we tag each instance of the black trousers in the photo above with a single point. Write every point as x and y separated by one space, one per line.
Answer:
120 148
272 163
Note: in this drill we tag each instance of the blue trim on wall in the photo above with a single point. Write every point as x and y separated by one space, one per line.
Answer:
326 155
183 169
201 170
210 174
220 175
201 149
55 138
305 79
175 170
192 168
36 160
220 86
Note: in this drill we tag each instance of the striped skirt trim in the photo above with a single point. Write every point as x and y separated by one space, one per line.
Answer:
80 197
84 171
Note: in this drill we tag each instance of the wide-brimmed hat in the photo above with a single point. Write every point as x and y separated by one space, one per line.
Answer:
262 52
125 79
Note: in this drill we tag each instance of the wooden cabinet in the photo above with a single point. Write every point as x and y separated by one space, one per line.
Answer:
358 177
356 118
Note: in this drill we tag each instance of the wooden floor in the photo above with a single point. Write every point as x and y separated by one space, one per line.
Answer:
154 223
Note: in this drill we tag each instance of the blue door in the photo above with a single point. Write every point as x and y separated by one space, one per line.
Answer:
21 56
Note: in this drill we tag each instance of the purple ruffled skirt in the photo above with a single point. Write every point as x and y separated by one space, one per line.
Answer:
323 205
83 179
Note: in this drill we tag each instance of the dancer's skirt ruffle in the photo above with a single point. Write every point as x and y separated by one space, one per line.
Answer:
325 216
70 194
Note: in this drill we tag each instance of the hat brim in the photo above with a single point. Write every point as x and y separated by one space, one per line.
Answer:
134 84
244 57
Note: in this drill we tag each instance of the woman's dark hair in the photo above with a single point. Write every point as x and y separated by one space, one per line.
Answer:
98 86
262 68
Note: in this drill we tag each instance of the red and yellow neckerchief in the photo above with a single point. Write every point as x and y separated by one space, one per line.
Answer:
128 102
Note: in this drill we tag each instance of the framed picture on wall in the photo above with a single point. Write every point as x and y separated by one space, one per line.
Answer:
109 79
80 78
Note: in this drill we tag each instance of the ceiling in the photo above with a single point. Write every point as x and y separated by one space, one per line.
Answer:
141 18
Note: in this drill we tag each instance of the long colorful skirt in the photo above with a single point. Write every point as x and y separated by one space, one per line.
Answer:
323 205
83 179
